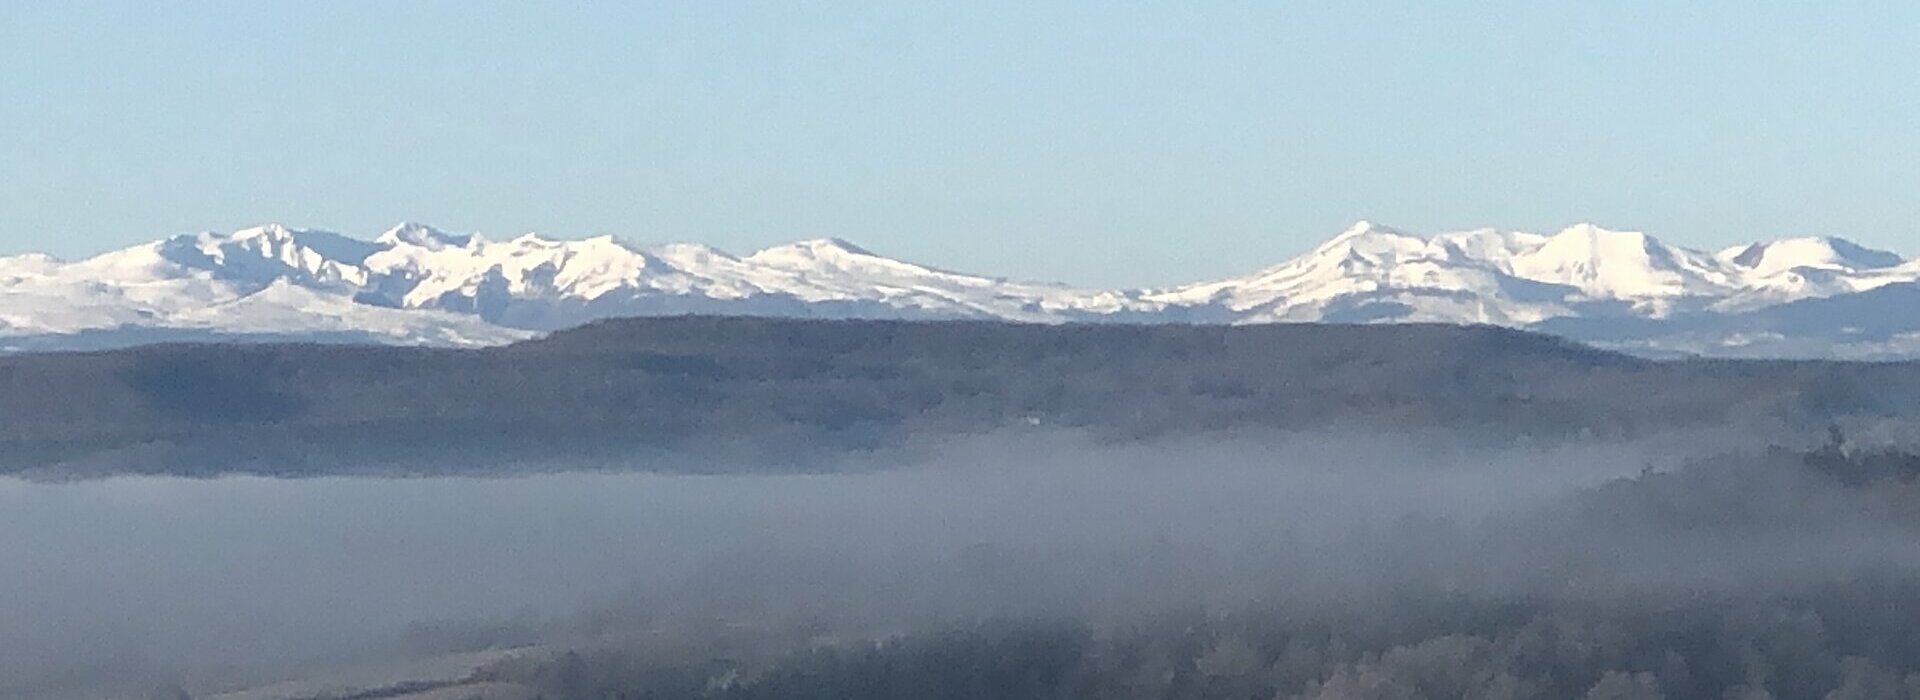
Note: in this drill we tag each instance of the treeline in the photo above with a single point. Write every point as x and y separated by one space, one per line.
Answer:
1846 642
696 392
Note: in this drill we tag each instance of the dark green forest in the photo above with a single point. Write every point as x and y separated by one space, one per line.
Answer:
710 393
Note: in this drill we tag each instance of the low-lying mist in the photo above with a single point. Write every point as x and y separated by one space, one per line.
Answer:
213 584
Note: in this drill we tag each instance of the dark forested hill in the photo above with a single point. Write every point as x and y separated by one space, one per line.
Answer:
678 390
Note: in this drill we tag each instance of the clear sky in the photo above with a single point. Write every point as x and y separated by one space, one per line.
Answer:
1099 143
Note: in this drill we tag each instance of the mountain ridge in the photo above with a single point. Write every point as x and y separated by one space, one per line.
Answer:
415 284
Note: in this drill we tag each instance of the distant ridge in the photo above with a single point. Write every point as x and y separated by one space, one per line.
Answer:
727 392
417 285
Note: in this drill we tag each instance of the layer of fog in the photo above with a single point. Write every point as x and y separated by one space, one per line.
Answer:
242 578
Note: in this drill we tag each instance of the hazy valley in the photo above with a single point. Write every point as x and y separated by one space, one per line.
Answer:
735 507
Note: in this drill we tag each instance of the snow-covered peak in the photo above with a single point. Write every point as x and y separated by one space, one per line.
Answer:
299 247
1610 264
1394 273
1363 228
1817 252
1368 238
692 255
834 245
271 232
1585 241
258 255
416 234
817 249
846 268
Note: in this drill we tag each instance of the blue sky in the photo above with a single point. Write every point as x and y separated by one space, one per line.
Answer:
1098 143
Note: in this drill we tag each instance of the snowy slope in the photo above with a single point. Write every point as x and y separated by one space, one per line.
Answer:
285 307
416 284
1372 272
1519 278
421 268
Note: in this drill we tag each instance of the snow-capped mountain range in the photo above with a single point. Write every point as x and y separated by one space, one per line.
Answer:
418 285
